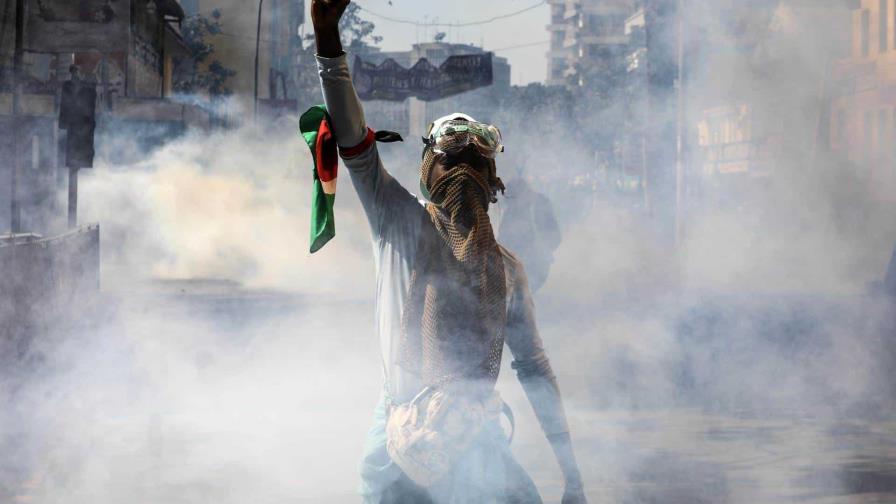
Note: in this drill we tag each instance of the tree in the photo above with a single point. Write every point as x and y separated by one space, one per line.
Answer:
200 73
357 33
357 37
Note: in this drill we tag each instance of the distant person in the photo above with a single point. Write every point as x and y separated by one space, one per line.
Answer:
529 228
448 299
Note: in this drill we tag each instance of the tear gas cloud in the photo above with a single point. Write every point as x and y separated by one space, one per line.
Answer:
264 394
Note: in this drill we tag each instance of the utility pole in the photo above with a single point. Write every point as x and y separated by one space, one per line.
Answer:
661 136
679 128
72 198
14 207
257 48
646 181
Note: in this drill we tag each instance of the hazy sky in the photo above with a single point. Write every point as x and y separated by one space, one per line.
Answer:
528 64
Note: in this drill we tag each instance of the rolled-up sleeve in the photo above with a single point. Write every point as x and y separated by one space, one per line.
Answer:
533 369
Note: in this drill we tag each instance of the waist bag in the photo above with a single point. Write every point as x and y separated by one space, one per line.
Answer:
427 435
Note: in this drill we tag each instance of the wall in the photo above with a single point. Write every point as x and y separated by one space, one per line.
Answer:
66 26
42 278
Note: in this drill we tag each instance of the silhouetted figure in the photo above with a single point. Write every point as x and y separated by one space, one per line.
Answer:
529 228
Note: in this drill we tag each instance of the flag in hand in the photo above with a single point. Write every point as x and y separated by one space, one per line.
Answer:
315 127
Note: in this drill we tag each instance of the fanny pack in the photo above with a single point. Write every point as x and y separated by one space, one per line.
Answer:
426 436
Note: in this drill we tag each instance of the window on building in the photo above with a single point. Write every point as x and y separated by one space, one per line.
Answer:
557 39
557 14
557 68
882 21
556 74
866 28
606 25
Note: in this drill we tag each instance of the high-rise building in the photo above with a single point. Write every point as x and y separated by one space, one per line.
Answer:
582 32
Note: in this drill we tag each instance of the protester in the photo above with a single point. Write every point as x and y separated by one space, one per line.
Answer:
448 298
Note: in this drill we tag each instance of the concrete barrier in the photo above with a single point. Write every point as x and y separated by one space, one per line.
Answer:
44 280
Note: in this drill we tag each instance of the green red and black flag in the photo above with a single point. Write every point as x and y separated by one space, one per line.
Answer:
315 127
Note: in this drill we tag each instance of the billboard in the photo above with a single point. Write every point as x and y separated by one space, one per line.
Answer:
425 81
67 26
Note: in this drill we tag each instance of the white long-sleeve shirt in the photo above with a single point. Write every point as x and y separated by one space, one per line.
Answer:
395 217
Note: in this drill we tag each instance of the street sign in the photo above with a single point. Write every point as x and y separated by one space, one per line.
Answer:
77 115
392 82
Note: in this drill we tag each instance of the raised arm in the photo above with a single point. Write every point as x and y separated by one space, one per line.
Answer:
391 210
339 94
534 372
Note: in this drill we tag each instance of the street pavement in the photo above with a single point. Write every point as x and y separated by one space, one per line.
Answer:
203 391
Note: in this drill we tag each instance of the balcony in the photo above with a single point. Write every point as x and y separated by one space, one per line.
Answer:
558 53
615 39
160 110
606 10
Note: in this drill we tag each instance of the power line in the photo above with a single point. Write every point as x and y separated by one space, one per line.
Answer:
543 42
453 25
246 37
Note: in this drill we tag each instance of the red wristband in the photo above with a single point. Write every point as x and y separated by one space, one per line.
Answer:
350 152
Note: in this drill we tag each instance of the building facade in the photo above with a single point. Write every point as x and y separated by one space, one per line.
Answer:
863 113
763 93
584 33
410 117
126 49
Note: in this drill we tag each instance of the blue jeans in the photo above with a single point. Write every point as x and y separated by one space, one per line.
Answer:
487 473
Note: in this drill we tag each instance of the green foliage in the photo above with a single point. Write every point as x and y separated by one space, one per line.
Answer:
357 37
200 73
357 33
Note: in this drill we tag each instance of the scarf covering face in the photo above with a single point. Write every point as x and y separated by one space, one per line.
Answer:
454 316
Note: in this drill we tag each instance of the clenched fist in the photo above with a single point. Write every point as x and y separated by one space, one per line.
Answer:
325 14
